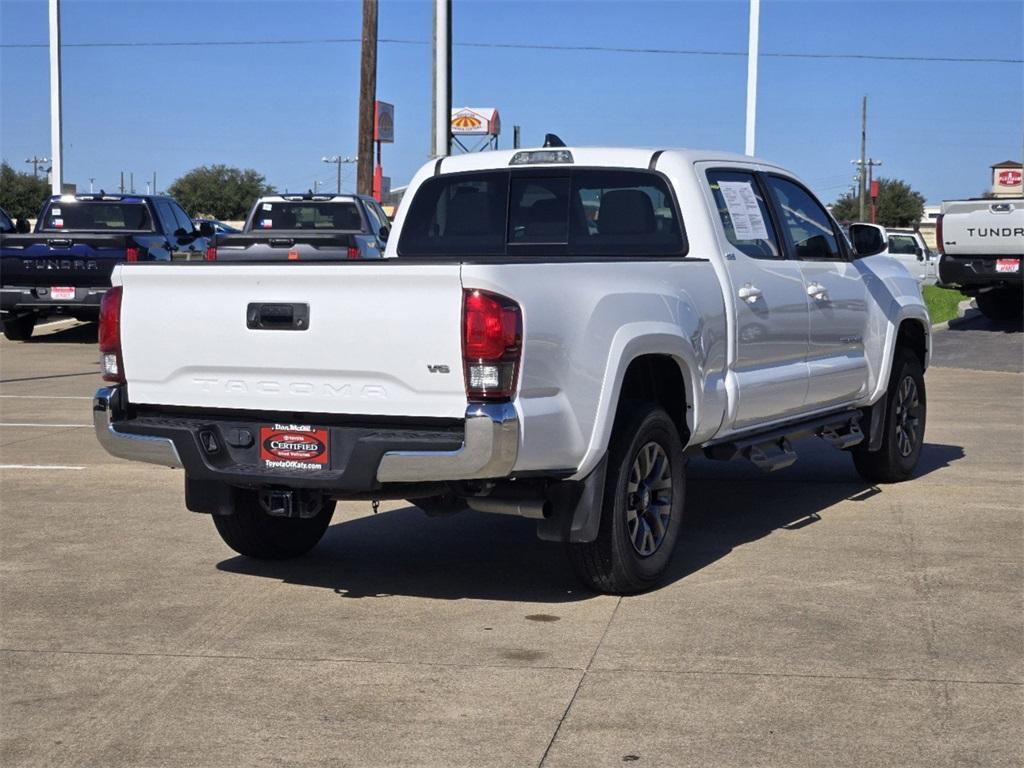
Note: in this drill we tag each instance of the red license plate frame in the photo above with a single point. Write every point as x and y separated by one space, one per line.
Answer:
1007 266
295 446
62 292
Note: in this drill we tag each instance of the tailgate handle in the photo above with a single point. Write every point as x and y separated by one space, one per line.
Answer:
282 242
277 317
59 242
1001 207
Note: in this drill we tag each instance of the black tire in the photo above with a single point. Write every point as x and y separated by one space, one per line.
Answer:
906 410
1001 303
252 532
614 562
20 328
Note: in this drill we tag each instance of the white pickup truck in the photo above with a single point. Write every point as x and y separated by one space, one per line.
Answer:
982 246
550 334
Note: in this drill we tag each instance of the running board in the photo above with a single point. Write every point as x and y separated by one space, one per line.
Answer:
771 450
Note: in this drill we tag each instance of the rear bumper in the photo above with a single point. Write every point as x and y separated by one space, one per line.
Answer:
20 299
976 272
363 458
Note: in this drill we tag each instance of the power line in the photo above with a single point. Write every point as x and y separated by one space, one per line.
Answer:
524 46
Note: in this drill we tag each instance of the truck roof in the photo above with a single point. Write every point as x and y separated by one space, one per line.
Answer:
613 157
320 197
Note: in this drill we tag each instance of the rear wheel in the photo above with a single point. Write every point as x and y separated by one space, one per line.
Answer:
1001 303
642 508
250 531
20 328
903 437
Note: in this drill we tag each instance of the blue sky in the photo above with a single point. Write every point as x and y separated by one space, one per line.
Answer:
279 108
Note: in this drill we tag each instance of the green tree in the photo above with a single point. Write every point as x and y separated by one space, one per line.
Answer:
219 191
897 205
21 194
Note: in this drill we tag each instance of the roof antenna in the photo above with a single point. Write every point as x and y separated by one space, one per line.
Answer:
551 140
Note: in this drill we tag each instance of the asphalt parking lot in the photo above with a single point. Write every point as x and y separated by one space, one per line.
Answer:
810 619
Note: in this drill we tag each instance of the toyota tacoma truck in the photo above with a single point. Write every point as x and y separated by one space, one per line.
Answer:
982 246
550 334
306 227
64 266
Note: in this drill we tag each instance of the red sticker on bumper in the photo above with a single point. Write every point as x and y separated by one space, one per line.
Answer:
294 446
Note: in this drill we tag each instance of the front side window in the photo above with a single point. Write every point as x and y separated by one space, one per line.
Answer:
902 245
575 212
744 213
96 216
806 222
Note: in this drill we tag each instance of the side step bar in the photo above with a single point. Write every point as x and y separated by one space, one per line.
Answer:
771 450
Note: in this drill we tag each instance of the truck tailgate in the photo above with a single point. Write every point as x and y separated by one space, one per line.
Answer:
378 339
983 228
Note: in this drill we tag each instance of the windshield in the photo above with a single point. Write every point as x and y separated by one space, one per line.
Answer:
96 216
539 212
308 216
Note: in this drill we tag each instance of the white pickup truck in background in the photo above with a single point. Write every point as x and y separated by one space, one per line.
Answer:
982 246
908 247
550 334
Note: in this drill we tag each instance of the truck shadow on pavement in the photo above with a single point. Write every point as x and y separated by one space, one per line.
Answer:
493 557
81 333
973 320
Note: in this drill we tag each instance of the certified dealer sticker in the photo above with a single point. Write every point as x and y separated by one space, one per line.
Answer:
294 446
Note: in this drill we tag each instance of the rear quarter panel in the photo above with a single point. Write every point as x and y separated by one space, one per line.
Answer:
583 323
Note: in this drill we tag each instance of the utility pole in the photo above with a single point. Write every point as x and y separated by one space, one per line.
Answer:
56 119
35 161
440 132
154 182
755 21
338 160
863 150
131 182
515 137
91 180
367 98
122 182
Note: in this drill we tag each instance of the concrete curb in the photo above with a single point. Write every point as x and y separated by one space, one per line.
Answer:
961 310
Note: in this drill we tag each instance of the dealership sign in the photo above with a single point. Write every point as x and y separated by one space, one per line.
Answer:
475 121
383 122
1008 178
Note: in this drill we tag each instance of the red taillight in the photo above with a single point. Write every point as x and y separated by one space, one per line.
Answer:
938 234
492 331
131 254
110 336
211 253
353 251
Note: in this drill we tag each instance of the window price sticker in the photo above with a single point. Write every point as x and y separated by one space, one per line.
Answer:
747 221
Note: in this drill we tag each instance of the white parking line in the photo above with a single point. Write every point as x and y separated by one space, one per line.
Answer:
37 466
10 424
46 397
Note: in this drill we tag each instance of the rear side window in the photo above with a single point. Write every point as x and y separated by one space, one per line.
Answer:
308 216
744 214
575 212
96 216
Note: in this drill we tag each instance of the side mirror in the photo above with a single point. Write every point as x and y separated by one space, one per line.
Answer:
868 239
21 227
206 229
383 233
919 252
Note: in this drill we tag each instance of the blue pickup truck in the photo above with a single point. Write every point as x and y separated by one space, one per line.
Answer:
63 267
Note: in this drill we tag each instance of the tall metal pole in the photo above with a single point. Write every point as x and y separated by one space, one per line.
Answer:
339 175
56 119
755 21
862 177
367 97
442 145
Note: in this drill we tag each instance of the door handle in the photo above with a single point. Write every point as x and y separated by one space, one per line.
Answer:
749 293
817 292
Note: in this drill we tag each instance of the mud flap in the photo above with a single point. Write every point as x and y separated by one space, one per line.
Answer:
577 506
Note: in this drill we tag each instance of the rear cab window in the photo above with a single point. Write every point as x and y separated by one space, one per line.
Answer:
96 216
308 216
577 212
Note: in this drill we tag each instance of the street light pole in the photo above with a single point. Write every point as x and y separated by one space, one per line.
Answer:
56 120
755 22
35 161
